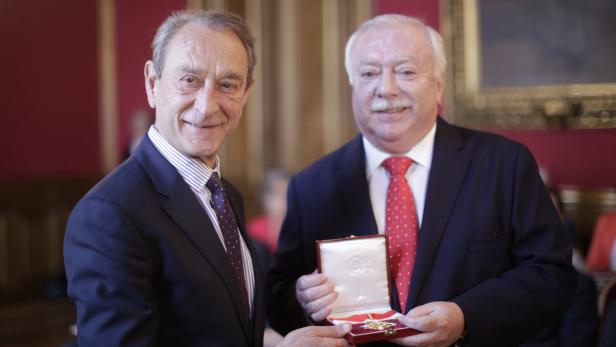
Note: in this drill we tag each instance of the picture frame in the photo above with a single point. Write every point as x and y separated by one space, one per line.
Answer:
530 64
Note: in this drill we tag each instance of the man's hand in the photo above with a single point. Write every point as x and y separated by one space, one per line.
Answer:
315 294
442 323
316 336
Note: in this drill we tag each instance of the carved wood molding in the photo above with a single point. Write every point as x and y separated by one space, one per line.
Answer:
536 107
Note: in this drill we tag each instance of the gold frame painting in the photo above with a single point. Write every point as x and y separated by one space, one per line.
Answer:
580 105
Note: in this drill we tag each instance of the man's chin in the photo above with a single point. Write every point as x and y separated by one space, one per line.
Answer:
391 144
204 153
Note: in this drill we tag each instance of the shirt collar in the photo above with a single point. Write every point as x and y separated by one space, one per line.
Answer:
421 153
192 170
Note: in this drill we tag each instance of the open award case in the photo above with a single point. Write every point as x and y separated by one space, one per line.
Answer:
357 266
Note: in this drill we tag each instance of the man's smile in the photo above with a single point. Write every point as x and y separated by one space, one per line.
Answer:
202 126
392 110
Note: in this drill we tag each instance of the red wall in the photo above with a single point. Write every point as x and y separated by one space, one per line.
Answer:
427 10
49 91
585 158
137 21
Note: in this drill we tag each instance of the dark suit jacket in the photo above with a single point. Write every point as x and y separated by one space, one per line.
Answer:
146 268
579 326
490 241
608 323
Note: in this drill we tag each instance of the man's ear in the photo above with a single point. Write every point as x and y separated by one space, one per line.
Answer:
150 83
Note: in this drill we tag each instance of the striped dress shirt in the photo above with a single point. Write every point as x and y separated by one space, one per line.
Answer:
196 174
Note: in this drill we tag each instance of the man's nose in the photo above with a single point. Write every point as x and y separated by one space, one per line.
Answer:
206 101
387 84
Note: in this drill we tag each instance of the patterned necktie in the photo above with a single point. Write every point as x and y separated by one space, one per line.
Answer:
401 226
230 233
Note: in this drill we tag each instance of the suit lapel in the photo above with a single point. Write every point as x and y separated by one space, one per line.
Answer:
185 210
350 175
449 166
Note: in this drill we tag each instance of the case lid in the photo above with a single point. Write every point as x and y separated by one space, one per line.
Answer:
357 266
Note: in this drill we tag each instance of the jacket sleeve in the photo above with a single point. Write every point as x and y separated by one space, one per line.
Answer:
109 274
539 287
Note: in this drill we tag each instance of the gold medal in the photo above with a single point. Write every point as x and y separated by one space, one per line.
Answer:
377 325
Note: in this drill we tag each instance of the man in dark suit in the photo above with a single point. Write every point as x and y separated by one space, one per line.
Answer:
156 254
477 252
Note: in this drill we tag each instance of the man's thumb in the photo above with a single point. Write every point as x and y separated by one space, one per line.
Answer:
342 329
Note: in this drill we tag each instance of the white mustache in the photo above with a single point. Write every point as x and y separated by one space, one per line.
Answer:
379 105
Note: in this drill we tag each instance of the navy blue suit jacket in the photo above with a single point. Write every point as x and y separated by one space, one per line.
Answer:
145 266
579 326
490 241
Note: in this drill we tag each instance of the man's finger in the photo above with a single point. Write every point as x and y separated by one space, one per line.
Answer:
422 323
316 305
421 310
309 281
332 331
342 329
315 293
321 314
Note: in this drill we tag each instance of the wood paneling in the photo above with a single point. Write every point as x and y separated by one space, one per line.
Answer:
40 323
300 108
108 120
33 215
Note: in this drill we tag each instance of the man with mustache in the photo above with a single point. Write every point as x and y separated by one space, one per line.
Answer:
157 254
477 253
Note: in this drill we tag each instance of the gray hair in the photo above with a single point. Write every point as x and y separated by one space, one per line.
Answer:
215 20
435 38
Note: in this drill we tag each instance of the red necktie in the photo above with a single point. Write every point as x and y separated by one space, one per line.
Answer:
401 225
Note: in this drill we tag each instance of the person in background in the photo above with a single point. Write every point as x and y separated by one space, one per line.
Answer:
613 258
603 244
157 253
140 122
607 337
602 258
477 251
266 228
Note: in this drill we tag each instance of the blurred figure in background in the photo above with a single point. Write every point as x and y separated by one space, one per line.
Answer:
602 257
582 317
140 122
266 227
607 306
602 253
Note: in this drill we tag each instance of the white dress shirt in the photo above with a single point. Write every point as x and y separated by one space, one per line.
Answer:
196 174
417 176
